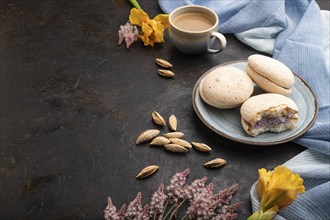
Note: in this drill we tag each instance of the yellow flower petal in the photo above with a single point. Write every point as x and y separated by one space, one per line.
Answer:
280 188
276 189
147 36
146 29
158 29
274 197
264 178
152 29
163 19
145 39
284 178
138 16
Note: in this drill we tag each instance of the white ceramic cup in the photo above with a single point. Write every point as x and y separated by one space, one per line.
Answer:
190 38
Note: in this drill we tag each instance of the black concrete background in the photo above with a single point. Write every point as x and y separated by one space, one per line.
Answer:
73 103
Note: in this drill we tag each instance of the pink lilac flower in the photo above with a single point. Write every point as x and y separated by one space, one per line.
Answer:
110 212
209 190
157 202
231 208
228 211
145 212
224 196
196 187
200 208
134 209
201 204
129 33
204 205
221 203
178 189
121 212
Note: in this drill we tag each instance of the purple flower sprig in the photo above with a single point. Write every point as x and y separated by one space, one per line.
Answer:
157 204
201 202
129 33
177 191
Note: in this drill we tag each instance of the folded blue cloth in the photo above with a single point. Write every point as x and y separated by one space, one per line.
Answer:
295 33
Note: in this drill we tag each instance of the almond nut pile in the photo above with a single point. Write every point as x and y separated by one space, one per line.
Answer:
172 141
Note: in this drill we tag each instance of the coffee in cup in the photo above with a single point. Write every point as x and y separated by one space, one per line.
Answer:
193 28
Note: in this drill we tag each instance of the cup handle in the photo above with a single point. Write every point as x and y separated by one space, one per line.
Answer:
221 38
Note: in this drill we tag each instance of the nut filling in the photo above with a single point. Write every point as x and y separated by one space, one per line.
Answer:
271 121
275 122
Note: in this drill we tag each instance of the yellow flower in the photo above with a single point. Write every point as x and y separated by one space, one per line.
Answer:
152 29
276 190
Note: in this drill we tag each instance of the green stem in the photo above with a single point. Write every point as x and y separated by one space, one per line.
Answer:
135 4
185 216
169 211
173 213
260 215
165 206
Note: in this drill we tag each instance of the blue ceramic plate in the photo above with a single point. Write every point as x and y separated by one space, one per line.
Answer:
227 122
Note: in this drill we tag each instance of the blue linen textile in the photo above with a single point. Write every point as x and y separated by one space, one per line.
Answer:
295 33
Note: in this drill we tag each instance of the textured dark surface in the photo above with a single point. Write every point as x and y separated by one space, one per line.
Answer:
73 103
